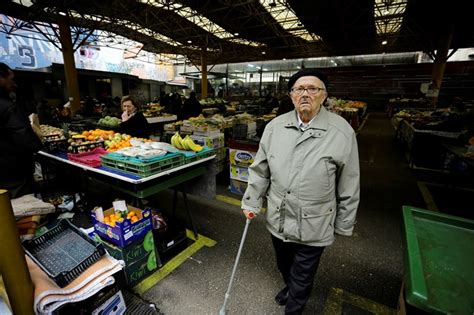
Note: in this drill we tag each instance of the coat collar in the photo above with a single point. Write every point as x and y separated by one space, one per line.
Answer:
320 122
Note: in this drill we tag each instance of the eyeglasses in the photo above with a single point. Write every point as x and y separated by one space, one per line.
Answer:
311 90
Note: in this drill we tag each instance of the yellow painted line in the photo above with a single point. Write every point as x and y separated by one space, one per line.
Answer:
233 201
174 263
430 203
337 297
229 200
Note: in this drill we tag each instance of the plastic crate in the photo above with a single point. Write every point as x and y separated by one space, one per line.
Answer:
55 145
85 147
141 167
91 158
195 156
64 252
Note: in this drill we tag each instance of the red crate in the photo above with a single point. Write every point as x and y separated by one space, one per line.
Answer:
91 158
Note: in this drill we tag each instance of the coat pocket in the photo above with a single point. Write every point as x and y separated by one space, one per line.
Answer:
274 210
316 227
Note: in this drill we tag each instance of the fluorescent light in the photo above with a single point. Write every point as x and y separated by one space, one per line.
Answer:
236 34
384 42
62 13
190 41
263 53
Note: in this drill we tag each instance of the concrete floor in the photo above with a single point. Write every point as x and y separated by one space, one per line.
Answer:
368 265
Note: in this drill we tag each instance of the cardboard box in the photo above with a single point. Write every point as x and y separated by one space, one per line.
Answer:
124 233
206 130
241 157
140 269
115 305
132 252
139 257
212 141
96 301
239 173
237 186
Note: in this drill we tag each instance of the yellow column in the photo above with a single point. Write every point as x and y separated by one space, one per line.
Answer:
69 63
13 268
204 74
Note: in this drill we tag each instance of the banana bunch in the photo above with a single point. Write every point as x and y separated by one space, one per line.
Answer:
185 144
189 144
177 141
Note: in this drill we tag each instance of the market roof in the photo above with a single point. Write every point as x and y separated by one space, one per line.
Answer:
249 30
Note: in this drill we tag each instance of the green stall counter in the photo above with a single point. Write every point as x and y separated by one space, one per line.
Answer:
439 262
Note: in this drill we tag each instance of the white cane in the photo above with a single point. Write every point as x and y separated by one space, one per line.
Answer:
223 310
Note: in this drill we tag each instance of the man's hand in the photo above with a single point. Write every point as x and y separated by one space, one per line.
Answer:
249 214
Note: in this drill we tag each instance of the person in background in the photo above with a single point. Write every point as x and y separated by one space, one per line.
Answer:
191 107
176 105
18 141
286 105
307 167
270 103
133 122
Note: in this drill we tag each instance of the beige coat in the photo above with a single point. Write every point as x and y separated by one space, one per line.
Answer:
310 179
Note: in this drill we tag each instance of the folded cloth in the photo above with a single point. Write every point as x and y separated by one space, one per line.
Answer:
49 296
30 205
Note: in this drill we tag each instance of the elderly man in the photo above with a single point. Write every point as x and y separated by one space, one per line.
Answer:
18 141
307 167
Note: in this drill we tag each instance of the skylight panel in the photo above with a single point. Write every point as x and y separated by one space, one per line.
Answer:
287 19
389 15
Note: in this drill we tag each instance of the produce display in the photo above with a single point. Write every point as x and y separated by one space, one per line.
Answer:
185 144
51 133
153 110
110 121
120 216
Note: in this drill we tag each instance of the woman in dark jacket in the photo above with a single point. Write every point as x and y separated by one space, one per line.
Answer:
133 121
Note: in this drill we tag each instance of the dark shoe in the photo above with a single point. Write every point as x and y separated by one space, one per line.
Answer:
282 296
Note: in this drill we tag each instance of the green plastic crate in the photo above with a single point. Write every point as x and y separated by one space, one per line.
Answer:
206 152
439 261
143 168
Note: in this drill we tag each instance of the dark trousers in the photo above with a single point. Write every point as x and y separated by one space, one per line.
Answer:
298 265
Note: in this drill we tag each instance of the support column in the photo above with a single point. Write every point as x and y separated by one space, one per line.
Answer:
439 65
69 63
226 94
204 73
260 82
13 268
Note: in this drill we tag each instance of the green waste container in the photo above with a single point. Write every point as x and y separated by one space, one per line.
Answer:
439 262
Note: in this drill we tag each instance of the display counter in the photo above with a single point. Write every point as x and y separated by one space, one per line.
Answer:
424 147
133 185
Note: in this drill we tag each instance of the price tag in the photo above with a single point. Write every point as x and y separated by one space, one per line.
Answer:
120 205
99 214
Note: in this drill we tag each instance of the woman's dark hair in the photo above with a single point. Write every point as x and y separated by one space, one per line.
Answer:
131 99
